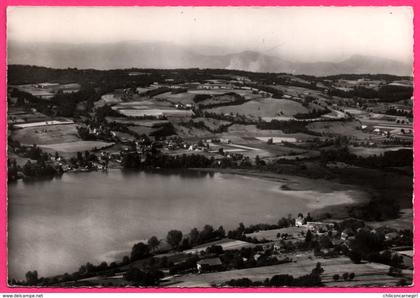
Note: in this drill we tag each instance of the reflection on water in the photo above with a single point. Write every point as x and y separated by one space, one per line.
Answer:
57 225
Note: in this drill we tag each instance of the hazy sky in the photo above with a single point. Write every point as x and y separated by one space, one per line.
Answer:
302 33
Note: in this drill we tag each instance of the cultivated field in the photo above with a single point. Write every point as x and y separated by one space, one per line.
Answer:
17 115
349 128
368 151
266 107
271 235
108 99
154 112
405 221
136 122
74 147
212 124
227 244
277 139
140 130
191 133
45 135
251 131
182 98
220 91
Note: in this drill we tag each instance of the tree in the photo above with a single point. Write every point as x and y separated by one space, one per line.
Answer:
221 232
308 217
351 276
194 237
31 277
367 243
139 251
174 237
206 233
142 278
131 160
214 249
346 276
308 237
241 228
396 260
153 242
102 266
125 260
318 270
336 277
281 280
393 271
89 268
355 256
185 244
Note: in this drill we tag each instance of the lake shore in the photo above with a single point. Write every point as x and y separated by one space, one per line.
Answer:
321 195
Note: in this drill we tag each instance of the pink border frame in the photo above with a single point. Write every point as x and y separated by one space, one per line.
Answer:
3 138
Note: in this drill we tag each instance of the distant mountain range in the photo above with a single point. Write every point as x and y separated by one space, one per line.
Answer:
166 55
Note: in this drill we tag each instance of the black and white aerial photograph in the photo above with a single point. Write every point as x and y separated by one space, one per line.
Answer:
210 147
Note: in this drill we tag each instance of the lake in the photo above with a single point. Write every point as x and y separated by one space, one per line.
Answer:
57 225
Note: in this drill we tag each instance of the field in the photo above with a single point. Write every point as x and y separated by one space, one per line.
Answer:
108 99
349 128
141 108
366 274
155 112
266 107
383 123
48 91
251 131
21 161
355 112
45 135
278 139
271 235
183 98
405 221
142 130
221 91
38 92
227 244
136 122
18 115
212 124
192 133
43 123
74 147
225 99
365 151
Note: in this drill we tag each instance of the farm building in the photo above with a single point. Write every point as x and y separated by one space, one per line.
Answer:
299 221
209 264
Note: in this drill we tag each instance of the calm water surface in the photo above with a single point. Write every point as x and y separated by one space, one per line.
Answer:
57 225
